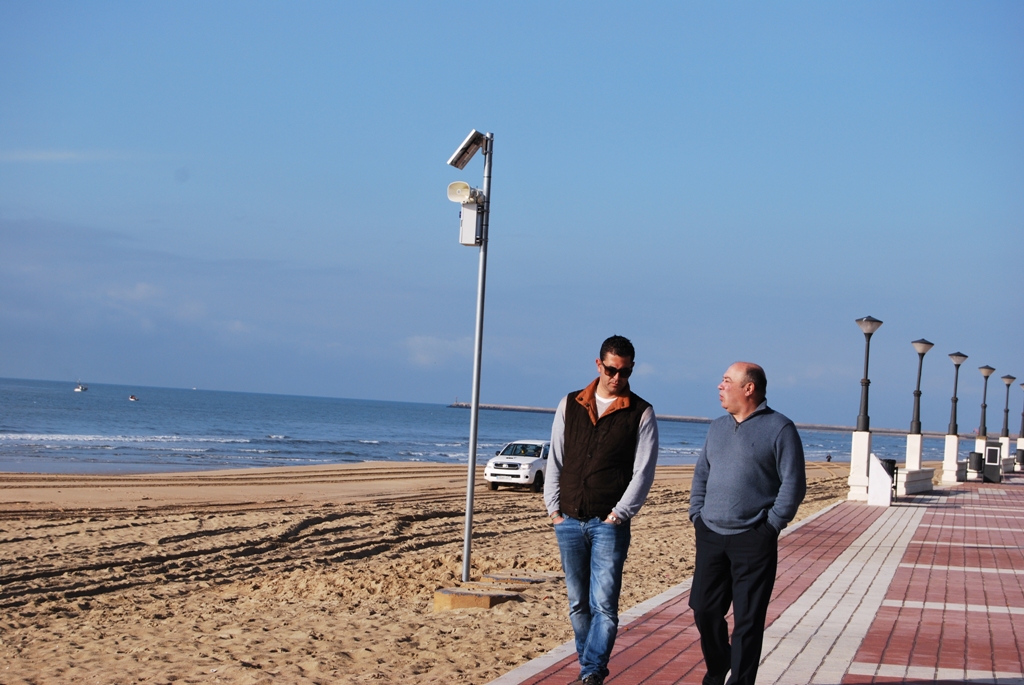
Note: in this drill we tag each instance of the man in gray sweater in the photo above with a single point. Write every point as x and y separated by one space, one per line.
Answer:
747 485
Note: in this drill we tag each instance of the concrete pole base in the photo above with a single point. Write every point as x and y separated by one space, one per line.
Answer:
859 451
951 461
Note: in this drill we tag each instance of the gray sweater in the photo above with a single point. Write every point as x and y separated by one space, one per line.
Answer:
749 471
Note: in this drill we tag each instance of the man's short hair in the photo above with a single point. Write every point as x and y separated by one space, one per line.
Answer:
619 346
755 375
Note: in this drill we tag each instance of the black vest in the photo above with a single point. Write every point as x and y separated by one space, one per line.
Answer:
597 460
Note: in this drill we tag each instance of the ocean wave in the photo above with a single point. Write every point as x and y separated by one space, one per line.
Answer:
57 437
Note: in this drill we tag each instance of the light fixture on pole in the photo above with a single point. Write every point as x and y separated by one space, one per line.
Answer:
860 447
986 371
1005 433
958 359
1020 435
474 220
869 325
951 451
922 346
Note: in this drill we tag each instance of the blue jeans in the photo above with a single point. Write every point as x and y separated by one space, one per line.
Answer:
593 553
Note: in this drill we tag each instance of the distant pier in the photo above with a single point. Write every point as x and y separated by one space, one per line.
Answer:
702 419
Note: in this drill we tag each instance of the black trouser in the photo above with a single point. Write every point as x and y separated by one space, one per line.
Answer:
738 570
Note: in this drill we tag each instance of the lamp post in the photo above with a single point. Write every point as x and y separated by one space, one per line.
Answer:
958 359
986 371
922 346
1020 440
1004 435
1020 435
914 478
869 325
474 223
951 454
861 447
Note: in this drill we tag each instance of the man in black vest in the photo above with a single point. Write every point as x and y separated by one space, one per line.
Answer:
604 448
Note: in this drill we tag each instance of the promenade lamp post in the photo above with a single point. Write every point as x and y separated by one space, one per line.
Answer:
1004 435
982 438
861 447
474 220
1020 440
922 346
950 457
986 371
914 439
869 325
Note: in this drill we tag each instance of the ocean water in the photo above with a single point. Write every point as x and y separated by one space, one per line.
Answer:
46 427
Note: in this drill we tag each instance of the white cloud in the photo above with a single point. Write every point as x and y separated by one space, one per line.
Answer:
645 369
426 350
140 292
43 156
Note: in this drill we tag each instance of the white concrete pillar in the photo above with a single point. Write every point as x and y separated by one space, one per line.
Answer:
1004 447
859 451
950 459
914 447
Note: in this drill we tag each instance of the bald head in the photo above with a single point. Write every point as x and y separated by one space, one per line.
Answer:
752 373
742 389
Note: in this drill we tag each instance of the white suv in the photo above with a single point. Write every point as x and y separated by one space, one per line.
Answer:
519 463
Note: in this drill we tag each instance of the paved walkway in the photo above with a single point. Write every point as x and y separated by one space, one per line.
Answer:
928 590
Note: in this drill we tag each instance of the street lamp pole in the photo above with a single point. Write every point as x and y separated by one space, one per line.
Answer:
869 325
922 346
1004 435
958 359
475 222
914 479
951 454
860 449
986 371
1020 437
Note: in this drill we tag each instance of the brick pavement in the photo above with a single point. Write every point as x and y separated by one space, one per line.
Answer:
928 590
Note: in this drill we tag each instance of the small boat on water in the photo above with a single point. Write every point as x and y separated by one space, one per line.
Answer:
133 398
81 387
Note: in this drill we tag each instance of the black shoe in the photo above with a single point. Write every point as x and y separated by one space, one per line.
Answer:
714 678
592 679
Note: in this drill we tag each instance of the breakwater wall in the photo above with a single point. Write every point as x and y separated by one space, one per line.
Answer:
702 419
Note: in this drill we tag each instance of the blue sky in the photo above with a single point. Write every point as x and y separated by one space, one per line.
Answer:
251 196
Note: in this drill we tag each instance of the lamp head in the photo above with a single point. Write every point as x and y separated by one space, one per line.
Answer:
958 358
986 370
1008 379
869 324
922 346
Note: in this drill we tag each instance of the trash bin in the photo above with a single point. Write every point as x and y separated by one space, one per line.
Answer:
1020 457
975 461
890 467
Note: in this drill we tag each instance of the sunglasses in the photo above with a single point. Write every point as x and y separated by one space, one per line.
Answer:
626 371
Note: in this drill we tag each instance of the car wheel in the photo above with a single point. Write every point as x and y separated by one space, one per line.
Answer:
492 485
538 482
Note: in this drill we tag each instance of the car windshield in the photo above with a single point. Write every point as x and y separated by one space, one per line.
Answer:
518 449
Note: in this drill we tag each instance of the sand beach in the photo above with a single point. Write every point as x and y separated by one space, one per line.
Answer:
297 575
